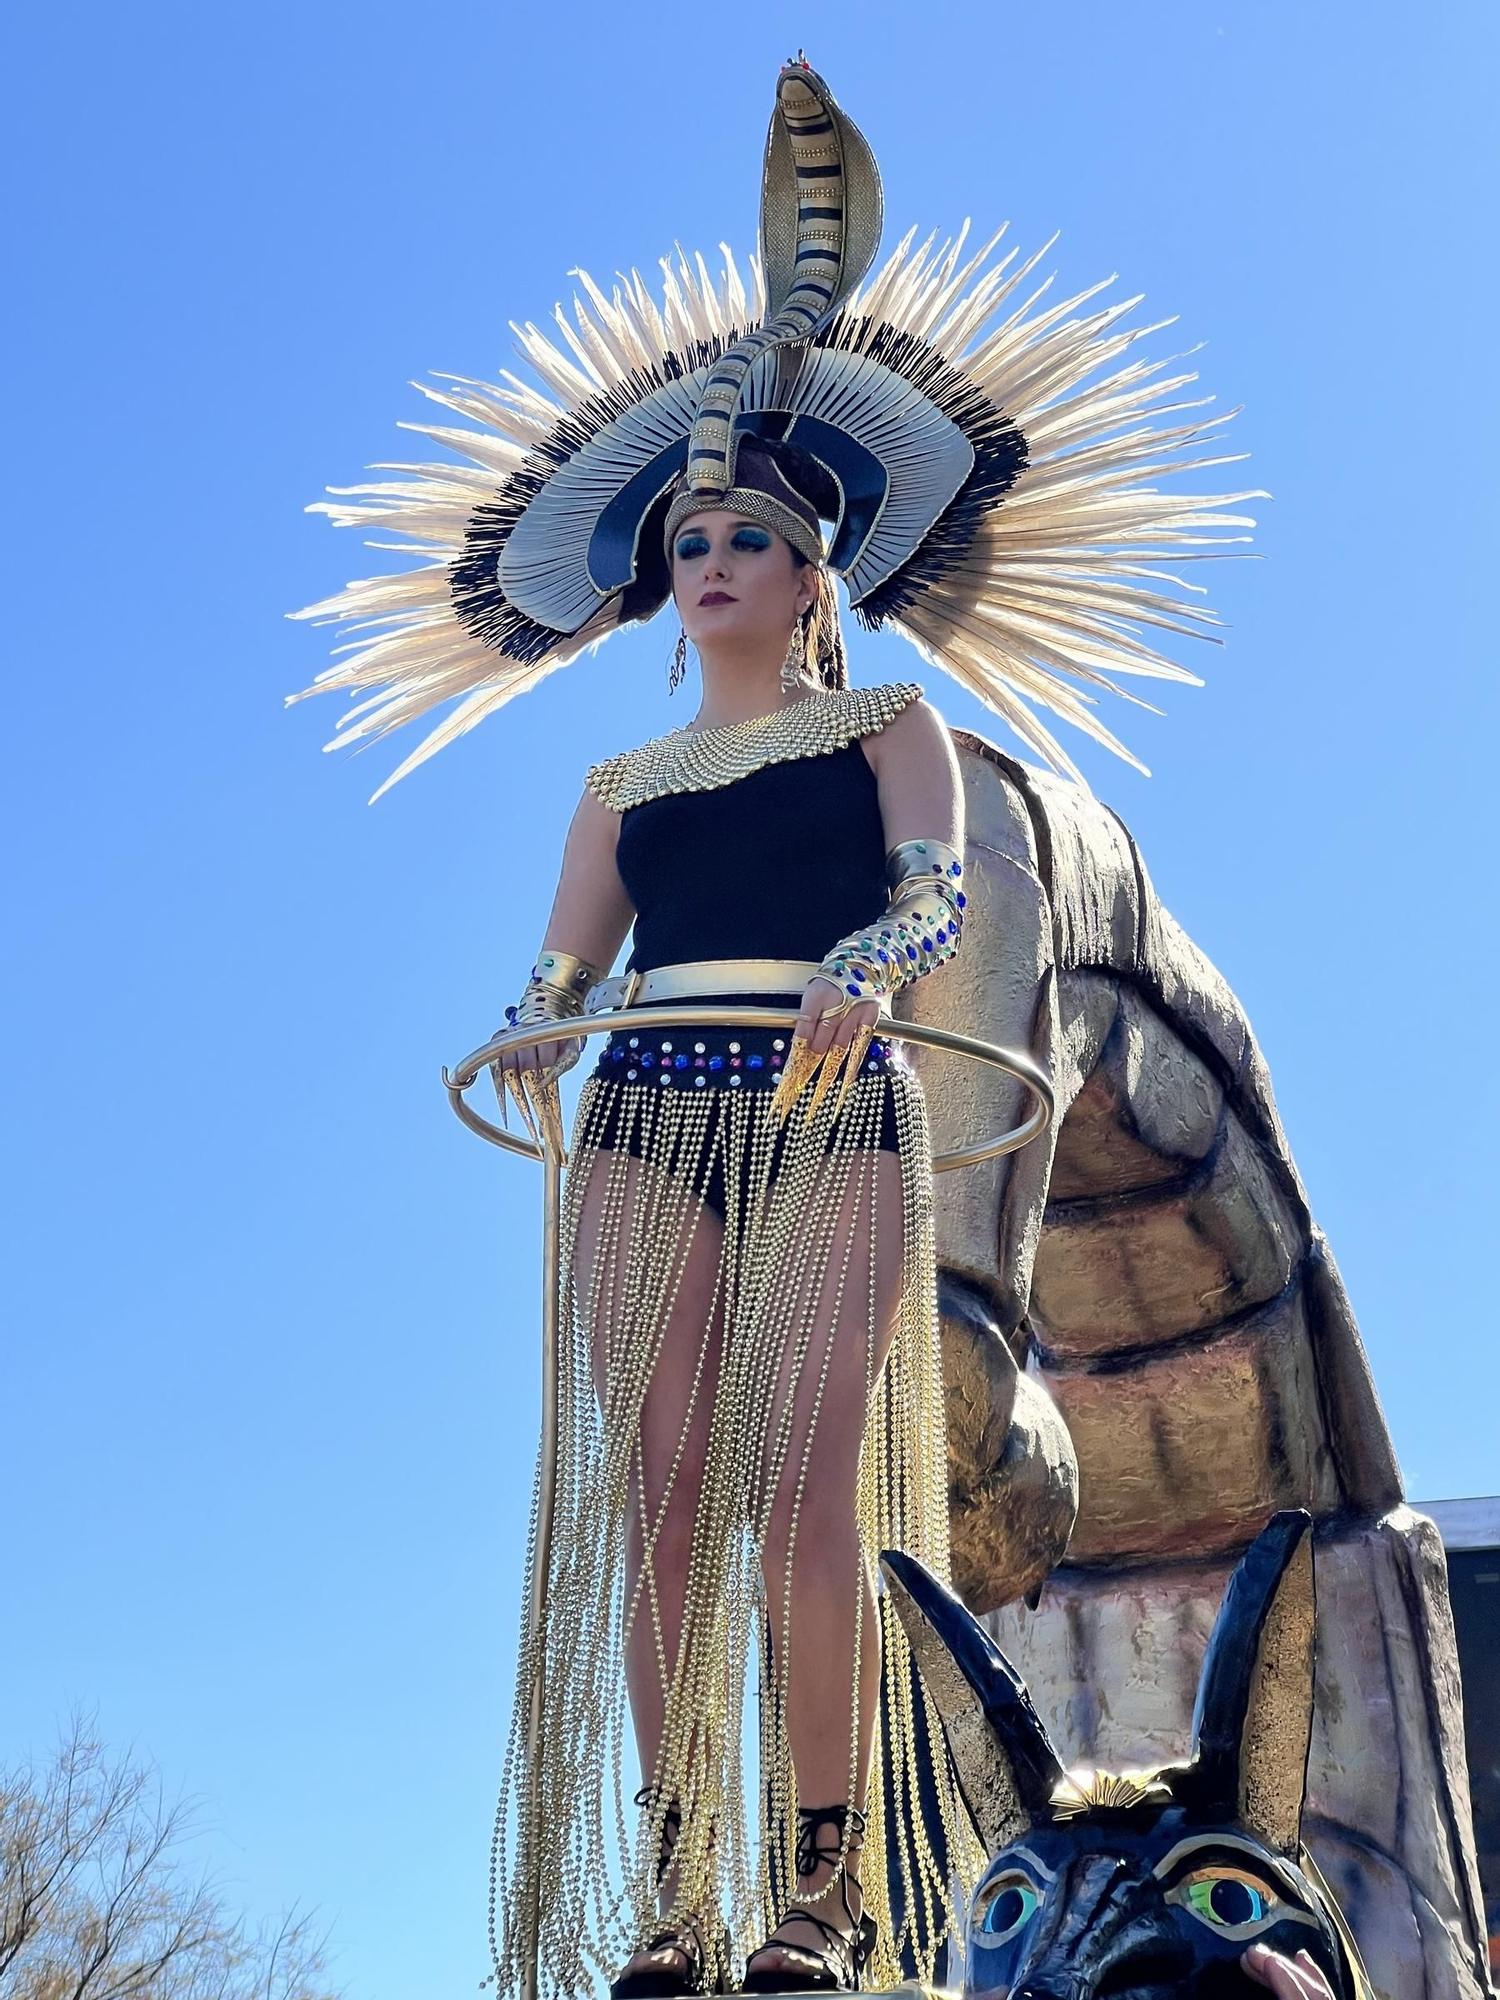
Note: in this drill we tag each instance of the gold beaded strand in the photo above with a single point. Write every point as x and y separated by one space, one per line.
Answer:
788 1253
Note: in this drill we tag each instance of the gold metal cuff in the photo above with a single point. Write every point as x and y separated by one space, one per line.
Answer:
932 863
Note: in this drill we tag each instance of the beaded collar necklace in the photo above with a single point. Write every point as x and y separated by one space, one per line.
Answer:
703 760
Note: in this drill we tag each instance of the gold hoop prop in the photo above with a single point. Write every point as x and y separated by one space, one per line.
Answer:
1013 1062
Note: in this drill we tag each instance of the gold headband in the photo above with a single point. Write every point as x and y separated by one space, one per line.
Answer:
755 506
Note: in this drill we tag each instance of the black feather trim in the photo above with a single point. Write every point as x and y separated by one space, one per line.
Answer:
1000 457
479 604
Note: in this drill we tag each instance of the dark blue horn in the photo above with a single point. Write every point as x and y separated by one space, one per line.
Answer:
1253 1721
1006 1765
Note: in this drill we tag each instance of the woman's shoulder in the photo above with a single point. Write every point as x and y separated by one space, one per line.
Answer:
914 729
613 779
689 760
879 707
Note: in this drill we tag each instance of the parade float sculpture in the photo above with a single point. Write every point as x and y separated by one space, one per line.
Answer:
1149 1352
1147 1348
1152 1881
1143 1320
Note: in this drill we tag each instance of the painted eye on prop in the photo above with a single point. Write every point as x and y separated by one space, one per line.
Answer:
1227 1899
1006 1907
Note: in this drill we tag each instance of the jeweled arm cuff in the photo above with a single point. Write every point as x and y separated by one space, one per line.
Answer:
918 930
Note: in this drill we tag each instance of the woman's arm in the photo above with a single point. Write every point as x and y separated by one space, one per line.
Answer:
590 912
916 774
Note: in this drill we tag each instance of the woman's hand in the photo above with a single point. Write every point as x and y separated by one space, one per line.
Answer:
1299 1978
530 1076
823 1026
831 1036
553 1056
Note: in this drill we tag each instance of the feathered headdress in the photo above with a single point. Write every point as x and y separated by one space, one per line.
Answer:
994 457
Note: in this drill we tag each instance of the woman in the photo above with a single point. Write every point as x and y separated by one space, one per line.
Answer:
789 1254
750 1397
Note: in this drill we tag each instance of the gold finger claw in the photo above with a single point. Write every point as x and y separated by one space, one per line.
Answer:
801 1066
804 1066
858 1049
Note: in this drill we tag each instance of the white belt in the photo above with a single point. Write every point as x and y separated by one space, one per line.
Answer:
707 979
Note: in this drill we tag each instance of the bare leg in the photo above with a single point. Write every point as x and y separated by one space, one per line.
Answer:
821 1597
669 1411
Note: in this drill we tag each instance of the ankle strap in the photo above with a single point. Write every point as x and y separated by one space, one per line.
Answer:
811 1820
650 1796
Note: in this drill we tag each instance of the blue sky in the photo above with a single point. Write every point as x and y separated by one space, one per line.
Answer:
269 1387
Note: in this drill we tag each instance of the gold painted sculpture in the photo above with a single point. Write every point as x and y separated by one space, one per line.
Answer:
1153 1270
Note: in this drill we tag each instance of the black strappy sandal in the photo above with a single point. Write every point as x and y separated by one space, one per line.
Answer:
687 1971
839 1966
691 1970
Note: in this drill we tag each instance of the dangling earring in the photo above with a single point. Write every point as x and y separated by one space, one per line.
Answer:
677 671
794 666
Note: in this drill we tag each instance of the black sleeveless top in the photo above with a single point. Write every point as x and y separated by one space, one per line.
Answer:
780 864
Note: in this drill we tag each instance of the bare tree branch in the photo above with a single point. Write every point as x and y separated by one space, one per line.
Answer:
94 1904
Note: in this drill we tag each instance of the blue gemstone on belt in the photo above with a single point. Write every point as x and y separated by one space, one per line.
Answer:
679 1062
911 951
647 1059
716 1062
927 944
852 988
755 1062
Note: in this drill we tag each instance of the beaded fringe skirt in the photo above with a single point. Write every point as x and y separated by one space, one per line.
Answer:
705 1243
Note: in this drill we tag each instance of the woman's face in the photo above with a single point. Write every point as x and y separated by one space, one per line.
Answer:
737 585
